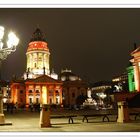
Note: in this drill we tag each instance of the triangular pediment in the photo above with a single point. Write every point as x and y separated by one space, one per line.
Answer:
44 79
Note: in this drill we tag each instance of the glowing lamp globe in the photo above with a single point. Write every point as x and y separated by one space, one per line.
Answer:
12 40
1 32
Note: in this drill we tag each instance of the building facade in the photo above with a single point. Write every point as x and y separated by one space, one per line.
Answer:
120 83
37 56
41 90
38 85
74 88
131 82
135 68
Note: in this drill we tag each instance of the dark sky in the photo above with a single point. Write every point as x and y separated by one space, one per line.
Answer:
93 43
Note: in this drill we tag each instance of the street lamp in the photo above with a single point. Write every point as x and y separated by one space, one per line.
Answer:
12 42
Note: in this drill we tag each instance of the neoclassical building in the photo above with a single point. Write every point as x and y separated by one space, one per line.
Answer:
38 56
134 71
38 85
74 88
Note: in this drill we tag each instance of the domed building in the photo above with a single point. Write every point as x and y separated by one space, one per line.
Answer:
38 85
37 56
73 88
67 75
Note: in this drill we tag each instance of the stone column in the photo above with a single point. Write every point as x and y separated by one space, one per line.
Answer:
137 76
54 94
40 94
60 94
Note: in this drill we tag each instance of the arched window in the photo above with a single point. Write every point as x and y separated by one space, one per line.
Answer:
30 91
37 91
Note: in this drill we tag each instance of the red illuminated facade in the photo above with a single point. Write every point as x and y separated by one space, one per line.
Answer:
42 90
37 86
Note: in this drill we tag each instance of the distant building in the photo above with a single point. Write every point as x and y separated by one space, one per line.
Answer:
99 88
120 83
73 88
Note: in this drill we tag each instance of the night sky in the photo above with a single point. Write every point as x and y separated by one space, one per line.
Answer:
94 43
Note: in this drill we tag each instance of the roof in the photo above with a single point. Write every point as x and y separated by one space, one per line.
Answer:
43 79
3 83
38 45
136 51
38 41
38 36
67 74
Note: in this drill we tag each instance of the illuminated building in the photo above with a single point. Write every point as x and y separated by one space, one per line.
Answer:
37 56
136 68
74 88
38 85
131 82
99 88
120 83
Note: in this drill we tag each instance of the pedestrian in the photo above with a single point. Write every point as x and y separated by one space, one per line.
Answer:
31 107
16 107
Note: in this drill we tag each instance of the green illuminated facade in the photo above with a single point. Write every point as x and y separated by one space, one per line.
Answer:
131 83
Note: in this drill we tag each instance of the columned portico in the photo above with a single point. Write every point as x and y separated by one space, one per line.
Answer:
47 88
136 65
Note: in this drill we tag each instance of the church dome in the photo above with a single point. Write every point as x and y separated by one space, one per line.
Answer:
67 75
38 45
38 36
38 41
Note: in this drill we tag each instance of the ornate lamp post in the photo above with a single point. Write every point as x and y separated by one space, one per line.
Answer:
12 42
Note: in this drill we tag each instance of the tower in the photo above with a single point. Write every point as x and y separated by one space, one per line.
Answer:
37 56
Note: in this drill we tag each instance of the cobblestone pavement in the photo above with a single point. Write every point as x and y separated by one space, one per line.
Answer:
25 121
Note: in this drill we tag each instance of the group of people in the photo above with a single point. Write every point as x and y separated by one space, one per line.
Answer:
34 107
11 107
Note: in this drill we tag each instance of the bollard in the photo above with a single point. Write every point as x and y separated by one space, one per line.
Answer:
2 119
123 114
45 116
